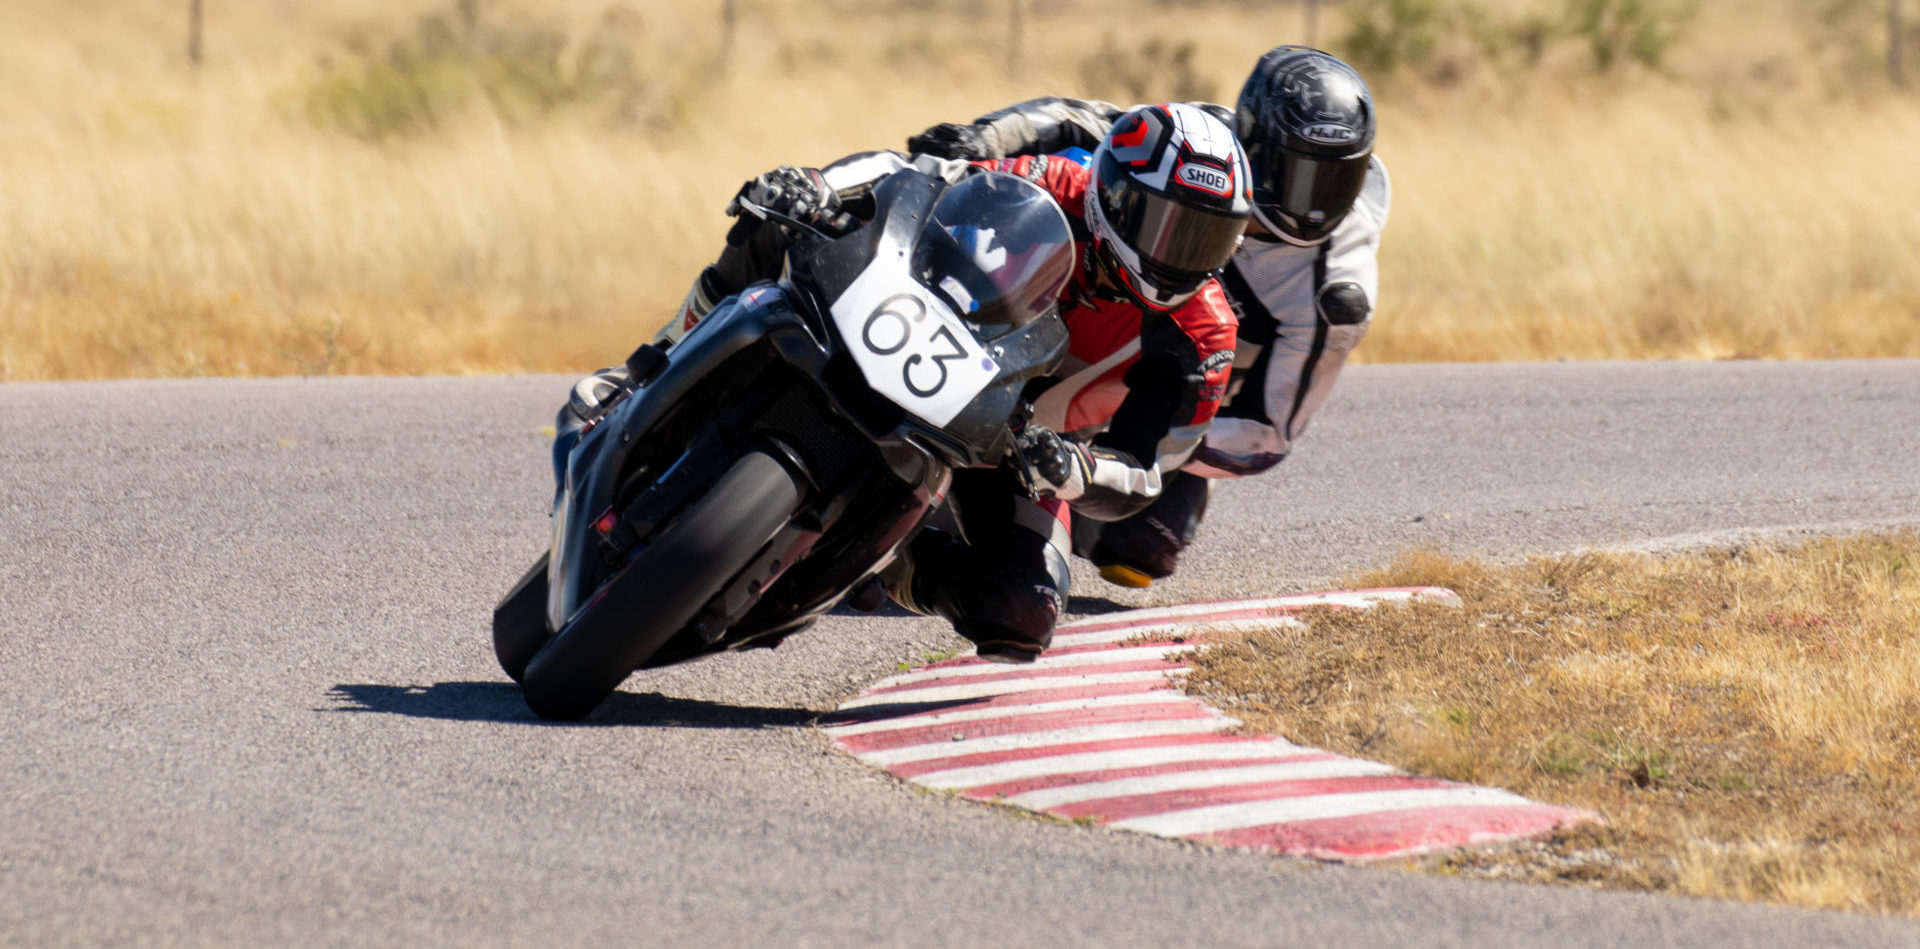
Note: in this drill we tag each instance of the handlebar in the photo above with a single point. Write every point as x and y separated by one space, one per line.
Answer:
837 226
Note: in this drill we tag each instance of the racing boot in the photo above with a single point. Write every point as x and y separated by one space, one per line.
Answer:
1004 601
1145 547
701 298
588 402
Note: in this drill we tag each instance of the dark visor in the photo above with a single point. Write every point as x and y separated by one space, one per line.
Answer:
1295 187
1172 239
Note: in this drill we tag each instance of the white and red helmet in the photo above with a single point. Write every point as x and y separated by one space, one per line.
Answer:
1168 202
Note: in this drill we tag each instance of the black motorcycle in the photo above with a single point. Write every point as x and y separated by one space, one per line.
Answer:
785 450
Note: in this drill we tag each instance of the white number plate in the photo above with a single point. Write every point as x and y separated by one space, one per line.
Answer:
910 345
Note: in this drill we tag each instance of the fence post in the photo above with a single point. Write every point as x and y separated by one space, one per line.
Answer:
1313 22
1896 39
193 32
729 17
1015 30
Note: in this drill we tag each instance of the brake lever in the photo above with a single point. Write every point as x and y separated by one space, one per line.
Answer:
1017 423
1022 469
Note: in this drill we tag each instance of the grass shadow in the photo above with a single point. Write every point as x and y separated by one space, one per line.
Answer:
502 702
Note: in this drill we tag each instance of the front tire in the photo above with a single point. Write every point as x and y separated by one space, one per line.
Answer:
662 589
520 621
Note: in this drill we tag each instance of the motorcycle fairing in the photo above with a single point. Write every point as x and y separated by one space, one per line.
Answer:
775 351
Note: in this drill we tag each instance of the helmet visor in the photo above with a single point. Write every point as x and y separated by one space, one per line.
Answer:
1176 244
1305 197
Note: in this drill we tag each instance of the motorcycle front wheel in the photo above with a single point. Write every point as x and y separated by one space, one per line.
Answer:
520 621
662 589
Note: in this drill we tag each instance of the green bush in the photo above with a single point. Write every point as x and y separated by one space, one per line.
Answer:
524 71
1384 36
1619 30
1157 70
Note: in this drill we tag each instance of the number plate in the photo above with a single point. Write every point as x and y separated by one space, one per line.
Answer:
910 345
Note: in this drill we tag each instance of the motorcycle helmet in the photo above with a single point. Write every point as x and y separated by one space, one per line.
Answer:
1306 121
1167 203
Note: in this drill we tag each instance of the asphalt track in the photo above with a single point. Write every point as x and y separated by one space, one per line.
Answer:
249 696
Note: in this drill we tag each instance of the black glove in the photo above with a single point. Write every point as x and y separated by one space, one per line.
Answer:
755 250
1052 465
756 245
948 140
799 193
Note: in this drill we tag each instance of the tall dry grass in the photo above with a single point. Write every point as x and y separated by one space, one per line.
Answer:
1744 720
1653 226
157 219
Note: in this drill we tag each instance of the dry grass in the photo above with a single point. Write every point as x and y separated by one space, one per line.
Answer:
161 220
1643 228
1745 720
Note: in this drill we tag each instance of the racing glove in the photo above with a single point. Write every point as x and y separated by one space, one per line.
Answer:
756 245
948 140
1052 465
799 193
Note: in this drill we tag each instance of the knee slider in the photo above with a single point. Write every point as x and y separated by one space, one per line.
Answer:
1344 304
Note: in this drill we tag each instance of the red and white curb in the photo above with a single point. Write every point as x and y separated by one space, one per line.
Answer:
1098 730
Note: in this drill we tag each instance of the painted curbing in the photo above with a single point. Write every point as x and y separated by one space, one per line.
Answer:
1099 731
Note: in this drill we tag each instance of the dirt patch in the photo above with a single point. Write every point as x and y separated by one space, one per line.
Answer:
1745 719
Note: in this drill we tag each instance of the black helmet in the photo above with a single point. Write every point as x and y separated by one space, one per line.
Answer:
1168 202
1306 121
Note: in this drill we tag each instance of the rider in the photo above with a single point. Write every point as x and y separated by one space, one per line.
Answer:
1304 283
1158 212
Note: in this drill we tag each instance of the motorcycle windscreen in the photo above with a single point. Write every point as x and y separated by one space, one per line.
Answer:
997 249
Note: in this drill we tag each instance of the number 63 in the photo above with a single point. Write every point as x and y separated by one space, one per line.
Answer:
892 323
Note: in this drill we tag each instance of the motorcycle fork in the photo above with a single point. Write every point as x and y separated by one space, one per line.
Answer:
625 532
789 547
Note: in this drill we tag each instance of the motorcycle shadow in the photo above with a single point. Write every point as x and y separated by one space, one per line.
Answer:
1077 606
502 702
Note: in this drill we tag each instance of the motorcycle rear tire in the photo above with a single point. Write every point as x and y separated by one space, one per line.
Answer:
662 589
520 621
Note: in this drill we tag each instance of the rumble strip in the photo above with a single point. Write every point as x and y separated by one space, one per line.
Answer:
1100 732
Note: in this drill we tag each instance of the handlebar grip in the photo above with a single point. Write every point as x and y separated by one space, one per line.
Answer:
839 225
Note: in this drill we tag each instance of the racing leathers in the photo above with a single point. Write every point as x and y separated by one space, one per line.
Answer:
1134 398
1302 310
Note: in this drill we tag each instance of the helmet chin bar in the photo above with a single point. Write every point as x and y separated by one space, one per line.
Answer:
1274 228
1120 279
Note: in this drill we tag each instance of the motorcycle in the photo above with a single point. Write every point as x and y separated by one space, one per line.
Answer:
784 451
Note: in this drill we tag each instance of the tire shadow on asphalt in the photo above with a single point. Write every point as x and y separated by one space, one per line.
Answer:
1080 606
1077 607
502 702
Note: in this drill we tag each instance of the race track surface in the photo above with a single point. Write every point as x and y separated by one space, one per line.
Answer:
250 696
